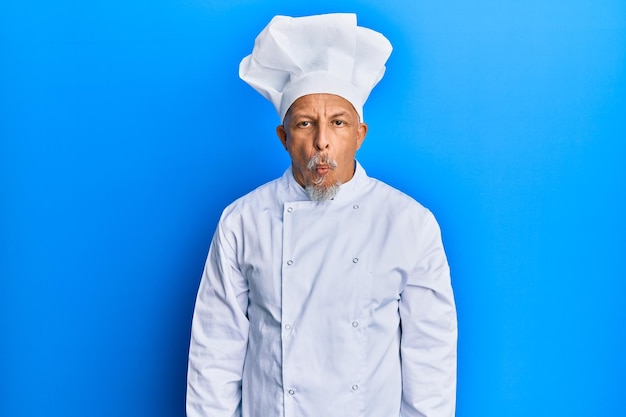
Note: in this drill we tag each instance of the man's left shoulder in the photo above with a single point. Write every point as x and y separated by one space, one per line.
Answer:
393 199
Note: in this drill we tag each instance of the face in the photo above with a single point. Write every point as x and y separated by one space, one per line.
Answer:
322 133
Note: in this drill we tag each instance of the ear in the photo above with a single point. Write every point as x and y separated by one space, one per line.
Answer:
361 132
282 135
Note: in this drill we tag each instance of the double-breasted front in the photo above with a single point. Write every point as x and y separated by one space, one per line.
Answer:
338 308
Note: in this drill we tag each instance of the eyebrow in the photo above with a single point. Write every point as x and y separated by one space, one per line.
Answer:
304 115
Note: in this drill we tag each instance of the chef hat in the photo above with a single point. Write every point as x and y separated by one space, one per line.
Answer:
296 56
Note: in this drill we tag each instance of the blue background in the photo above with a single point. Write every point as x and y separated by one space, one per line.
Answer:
125 131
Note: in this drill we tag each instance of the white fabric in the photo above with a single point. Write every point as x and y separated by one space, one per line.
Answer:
296 56
341 308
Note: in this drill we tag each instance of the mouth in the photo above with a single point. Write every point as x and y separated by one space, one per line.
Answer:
322 169
320 166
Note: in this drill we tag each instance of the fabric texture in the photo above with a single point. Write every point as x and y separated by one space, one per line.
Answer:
339 308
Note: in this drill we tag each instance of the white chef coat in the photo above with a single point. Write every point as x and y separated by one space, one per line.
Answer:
321 309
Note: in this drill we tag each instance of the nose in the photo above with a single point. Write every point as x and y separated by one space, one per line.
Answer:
322 138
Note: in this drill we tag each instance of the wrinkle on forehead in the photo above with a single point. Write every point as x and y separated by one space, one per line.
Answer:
326 105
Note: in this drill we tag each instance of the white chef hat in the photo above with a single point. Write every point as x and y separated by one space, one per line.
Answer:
329 53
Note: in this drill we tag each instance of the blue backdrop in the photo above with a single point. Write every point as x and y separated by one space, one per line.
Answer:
125 130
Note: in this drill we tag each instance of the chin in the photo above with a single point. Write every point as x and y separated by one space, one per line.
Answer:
328 180
322 192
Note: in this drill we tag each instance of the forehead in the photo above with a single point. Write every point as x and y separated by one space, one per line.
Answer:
314 104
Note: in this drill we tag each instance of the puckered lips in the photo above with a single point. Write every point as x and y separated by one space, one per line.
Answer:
322 169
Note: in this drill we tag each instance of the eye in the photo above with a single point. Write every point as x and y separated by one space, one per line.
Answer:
339 123
304 123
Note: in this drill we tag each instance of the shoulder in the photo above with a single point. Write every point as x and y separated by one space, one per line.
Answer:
246 212
404 216
392 200
262 198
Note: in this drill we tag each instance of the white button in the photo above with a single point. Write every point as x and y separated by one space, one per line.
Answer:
356 206
355 387
287 326
290 262
355 324
289 209
291 392
355 260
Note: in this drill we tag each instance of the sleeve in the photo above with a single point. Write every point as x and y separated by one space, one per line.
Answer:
429 331
219 335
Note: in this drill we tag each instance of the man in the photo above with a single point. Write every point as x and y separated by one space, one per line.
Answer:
326 292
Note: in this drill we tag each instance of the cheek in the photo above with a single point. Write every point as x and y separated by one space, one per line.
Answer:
350 148
299 155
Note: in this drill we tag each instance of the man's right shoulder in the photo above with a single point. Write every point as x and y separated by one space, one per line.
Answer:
265 197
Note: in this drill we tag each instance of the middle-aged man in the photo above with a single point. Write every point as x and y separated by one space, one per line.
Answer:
326 293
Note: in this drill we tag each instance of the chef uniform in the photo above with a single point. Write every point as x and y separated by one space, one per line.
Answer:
324 308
